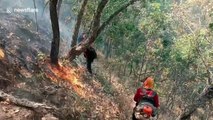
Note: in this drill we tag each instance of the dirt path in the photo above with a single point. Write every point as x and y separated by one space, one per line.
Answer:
124 97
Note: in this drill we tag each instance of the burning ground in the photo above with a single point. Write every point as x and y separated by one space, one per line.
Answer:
27 74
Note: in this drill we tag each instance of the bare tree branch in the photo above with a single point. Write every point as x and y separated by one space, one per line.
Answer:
206 96
209 81
96 21
45 7
36 19
78 23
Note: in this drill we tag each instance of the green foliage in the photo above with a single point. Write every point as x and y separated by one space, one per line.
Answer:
184 46
41 57
112 6
155 22
211 26
171 42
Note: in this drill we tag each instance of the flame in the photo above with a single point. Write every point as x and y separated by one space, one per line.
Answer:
1 54
68 74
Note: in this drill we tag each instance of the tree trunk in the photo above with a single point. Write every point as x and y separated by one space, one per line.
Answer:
206 96
96 23
56 34
107 48
131 68
78 23
44 7
96 28
36 18
59 7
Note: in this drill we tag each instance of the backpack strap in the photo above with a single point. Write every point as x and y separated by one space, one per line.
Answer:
148 97
144 92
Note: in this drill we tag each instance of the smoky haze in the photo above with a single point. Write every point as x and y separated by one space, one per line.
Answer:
28 9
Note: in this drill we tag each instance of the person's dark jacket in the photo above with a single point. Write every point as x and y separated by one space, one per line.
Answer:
90 53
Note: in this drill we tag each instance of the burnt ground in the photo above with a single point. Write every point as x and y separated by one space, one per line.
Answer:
26 74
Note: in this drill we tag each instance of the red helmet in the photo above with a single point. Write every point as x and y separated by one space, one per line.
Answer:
148 83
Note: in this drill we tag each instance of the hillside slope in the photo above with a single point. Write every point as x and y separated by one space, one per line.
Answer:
27 74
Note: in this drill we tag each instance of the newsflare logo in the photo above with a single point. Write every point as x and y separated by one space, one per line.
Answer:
18 10
7 10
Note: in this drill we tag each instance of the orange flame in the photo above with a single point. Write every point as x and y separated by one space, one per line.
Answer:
1 54
68 74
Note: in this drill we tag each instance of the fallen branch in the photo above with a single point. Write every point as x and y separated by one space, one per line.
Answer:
206 96
37 107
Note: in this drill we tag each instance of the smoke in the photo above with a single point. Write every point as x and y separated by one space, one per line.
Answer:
27 8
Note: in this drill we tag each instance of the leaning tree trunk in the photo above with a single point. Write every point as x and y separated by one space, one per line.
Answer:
56 35
96 23
96 28
78 23
206 96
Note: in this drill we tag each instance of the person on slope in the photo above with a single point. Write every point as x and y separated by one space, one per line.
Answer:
145 95
89 53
